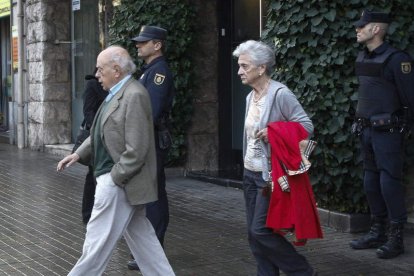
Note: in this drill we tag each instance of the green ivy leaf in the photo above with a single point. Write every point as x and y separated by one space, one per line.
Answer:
316 20
330 15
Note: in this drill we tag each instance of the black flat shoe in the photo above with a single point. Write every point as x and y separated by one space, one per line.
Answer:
132 265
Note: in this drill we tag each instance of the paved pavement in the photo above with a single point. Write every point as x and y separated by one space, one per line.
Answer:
41 232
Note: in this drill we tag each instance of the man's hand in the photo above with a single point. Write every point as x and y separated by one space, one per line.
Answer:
67 161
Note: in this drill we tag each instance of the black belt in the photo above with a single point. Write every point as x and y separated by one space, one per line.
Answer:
362 123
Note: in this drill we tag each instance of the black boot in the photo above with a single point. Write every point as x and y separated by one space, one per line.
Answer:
395 243
374 238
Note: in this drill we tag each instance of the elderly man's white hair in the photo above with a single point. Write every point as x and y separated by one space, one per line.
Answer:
121 57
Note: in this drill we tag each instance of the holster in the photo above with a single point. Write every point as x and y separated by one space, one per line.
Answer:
164 139
358 125
164 135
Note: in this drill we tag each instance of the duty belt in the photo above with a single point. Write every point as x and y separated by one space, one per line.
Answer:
361 123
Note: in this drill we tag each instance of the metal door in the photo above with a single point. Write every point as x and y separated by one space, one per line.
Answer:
85 48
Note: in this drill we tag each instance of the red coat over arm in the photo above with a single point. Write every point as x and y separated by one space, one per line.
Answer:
295 210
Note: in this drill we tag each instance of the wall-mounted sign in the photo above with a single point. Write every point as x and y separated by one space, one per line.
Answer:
4 8
75 5
15 49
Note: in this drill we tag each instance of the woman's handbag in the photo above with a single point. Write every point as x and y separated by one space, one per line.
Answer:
83 133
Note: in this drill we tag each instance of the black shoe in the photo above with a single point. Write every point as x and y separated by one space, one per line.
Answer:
367 241
132 265
373 239
395 243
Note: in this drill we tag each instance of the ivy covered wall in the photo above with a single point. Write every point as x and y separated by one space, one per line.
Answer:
316 49
178 17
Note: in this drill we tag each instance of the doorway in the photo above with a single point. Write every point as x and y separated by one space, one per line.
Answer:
236 25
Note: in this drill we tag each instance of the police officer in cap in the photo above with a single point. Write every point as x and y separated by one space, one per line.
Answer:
385 102
158 80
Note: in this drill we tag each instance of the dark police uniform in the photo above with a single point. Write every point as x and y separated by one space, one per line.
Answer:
386 82
157 79
383 115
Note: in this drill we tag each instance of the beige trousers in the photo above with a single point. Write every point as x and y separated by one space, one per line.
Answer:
113 216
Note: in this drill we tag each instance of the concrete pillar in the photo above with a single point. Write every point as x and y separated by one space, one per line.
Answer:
49 77
203 133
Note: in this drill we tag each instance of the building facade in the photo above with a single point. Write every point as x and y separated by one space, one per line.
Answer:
58 51
48 46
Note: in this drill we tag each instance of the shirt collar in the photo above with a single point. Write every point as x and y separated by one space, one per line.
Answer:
157 59
115 89
379 50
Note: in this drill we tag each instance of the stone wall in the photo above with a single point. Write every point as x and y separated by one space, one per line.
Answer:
203 133
49 72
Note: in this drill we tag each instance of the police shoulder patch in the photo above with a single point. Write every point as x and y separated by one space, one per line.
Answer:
159 79
406 67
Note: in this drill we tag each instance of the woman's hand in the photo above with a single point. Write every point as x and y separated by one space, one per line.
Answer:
67 161
262 134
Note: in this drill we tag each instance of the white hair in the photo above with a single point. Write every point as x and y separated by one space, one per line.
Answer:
259 52
121 57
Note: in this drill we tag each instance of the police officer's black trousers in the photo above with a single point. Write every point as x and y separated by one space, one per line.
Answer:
158 211
383 166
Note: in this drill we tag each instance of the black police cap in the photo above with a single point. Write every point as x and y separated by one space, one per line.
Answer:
150 32
370 16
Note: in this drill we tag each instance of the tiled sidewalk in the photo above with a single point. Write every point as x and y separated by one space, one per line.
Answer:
42 233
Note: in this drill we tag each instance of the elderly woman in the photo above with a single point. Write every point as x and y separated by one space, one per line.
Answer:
269 101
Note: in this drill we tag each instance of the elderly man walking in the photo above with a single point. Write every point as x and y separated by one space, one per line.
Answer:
121 146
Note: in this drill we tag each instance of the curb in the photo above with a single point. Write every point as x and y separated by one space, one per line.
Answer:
345 222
